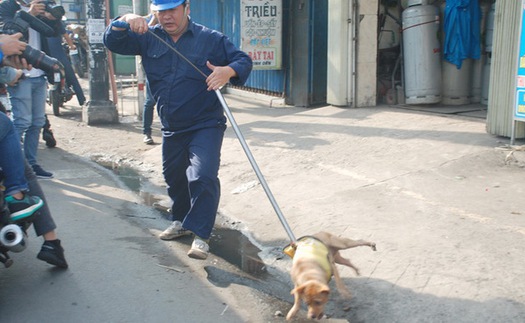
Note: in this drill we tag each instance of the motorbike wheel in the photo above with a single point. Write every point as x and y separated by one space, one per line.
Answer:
55 102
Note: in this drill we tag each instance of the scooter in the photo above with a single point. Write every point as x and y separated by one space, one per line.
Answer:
59 92
13 235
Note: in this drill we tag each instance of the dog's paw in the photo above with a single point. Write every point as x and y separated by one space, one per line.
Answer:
373 246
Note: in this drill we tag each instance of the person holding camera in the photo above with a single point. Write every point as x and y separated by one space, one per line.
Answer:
19 174
28 96
19 203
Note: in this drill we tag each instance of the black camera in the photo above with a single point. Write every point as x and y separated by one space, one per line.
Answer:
55 10
21 22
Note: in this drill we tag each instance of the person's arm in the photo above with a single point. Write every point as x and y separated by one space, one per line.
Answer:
11 45
8 10
69 41
10 75
136 23
37 8
119 36
220 75
230 65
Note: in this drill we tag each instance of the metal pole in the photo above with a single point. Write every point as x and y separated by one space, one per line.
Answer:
255 167
141 80
99 109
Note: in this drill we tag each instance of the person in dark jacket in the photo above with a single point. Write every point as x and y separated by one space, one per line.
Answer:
191 114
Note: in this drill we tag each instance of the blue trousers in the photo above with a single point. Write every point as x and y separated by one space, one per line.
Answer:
12 159
147 113
28 105
19 176
190 163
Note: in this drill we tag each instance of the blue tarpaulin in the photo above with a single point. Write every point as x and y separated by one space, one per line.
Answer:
462 31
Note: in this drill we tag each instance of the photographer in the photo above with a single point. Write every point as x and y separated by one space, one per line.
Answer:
28 96
11 47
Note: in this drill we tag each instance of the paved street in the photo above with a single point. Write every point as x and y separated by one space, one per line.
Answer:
441 198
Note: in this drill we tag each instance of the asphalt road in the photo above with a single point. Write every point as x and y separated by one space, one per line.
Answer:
119 271
441 198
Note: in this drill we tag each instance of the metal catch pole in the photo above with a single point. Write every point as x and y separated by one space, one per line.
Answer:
255 167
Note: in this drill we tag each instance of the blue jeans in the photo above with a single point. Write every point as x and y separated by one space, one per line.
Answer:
28 101
11 157
190 163
147 115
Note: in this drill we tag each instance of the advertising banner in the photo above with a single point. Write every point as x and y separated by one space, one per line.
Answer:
519 111
261 32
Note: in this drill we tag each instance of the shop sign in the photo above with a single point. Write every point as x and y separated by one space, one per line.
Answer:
261 32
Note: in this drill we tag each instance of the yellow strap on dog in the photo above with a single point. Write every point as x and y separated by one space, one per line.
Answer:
312 248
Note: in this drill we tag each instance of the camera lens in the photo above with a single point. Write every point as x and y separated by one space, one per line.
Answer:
40 60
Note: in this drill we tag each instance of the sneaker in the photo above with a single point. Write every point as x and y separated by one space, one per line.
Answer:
23 208
53 253
148 140
40 172
175 230
199 249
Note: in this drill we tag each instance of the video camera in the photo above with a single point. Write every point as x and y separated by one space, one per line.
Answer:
38 59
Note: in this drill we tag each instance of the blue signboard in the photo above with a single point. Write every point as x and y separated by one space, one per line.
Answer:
519 111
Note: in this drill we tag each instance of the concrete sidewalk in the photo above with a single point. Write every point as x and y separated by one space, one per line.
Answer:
442 199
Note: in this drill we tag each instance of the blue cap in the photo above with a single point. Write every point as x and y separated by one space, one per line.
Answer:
159 5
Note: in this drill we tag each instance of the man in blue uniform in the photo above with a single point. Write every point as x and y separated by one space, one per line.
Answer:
192 117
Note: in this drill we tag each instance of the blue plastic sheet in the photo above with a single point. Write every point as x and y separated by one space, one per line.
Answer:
462 31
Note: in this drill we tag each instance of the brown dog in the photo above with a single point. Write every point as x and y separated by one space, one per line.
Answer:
313 266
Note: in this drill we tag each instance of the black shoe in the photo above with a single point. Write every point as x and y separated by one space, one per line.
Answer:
47 134
53 253
40 172
49 138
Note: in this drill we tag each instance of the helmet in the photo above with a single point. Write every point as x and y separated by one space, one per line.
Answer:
158 5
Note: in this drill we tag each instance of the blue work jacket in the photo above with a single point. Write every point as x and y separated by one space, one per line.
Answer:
180 91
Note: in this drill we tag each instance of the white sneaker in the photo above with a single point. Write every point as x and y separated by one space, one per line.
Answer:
199 249
148 140
175 230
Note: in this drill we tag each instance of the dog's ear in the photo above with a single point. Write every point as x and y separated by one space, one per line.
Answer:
325 290
298 290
